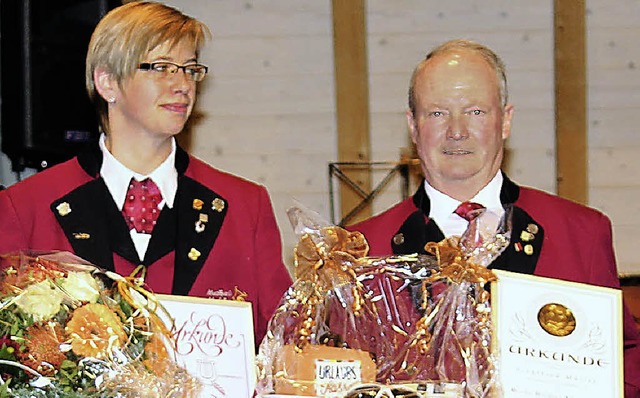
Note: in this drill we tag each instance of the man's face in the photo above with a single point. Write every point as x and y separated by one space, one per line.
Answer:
459 125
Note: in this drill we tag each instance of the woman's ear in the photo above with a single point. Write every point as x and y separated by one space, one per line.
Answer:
105 84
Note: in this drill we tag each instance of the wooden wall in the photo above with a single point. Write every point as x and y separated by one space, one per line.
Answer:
271 105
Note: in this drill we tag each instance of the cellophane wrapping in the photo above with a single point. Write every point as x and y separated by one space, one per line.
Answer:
71 329
421 318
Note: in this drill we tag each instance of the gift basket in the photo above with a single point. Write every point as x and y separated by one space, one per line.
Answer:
355 326
70 329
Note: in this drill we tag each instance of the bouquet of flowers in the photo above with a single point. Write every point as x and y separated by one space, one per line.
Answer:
70 329
357 325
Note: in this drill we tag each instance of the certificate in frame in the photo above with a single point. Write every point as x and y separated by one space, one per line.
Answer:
556 338
214 341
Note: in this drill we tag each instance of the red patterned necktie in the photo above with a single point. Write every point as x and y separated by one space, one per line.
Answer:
468 210
140 208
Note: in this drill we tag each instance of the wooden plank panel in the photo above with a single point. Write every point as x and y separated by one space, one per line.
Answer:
570 91
352 98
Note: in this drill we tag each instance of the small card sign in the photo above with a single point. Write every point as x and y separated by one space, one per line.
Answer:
334 376
214 341
557 338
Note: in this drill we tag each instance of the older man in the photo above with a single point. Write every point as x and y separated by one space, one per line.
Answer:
459 119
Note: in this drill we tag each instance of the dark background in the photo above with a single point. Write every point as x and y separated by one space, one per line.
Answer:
46 114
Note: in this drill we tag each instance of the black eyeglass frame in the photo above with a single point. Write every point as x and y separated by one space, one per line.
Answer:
150 66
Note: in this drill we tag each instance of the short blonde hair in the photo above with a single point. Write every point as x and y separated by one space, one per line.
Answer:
127 33
460 44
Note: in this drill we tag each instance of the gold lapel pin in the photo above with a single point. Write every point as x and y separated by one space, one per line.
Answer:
193 254
197 204
528 250
398 239
81 235
203 218
217 204
63 208
532 228
526 236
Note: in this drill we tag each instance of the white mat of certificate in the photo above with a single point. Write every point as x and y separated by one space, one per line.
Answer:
215 343
557 338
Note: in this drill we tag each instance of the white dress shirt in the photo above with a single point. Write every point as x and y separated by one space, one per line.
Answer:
443 206
117 177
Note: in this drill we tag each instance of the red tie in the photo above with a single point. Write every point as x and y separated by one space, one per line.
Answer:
140 208
469 210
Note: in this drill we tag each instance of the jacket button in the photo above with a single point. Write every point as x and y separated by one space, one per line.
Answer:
398 239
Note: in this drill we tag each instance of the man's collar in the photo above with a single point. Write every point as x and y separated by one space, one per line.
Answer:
509 194
443 204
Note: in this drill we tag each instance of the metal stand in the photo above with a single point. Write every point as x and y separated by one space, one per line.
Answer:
336 170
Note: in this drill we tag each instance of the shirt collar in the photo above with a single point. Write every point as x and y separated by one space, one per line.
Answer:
442 205
117 176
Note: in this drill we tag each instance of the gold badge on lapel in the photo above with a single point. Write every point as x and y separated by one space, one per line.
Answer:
526 236
398 239
217 204
63 209
201 223
532 228
81 235
193 254
197 204
528 250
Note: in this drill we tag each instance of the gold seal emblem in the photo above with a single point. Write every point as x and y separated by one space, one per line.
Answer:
556 319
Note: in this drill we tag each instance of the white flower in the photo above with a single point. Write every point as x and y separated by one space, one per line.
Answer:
41 300
81 286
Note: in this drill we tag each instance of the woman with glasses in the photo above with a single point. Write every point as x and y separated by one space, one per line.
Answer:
138 203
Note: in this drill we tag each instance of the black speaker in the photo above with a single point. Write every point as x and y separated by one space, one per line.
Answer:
46 113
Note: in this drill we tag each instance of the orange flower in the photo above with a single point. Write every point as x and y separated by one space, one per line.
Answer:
43 348
94 330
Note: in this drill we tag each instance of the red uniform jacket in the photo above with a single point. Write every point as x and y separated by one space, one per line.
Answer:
572 243
238 255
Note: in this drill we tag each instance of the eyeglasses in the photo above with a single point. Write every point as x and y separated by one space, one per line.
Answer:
195 72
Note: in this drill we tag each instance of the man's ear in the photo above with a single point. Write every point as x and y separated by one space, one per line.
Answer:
411 123
507 115
105 84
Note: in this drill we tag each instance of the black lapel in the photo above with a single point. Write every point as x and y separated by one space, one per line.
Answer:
524 248
95 227
416 231
200 213
163 239
84 217
527 235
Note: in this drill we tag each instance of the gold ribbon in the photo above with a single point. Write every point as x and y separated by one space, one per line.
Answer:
324 264
131 286
329 261
454 268
453 264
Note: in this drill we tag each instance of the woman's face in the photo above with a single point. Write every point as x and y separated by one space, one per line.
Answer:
152 103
